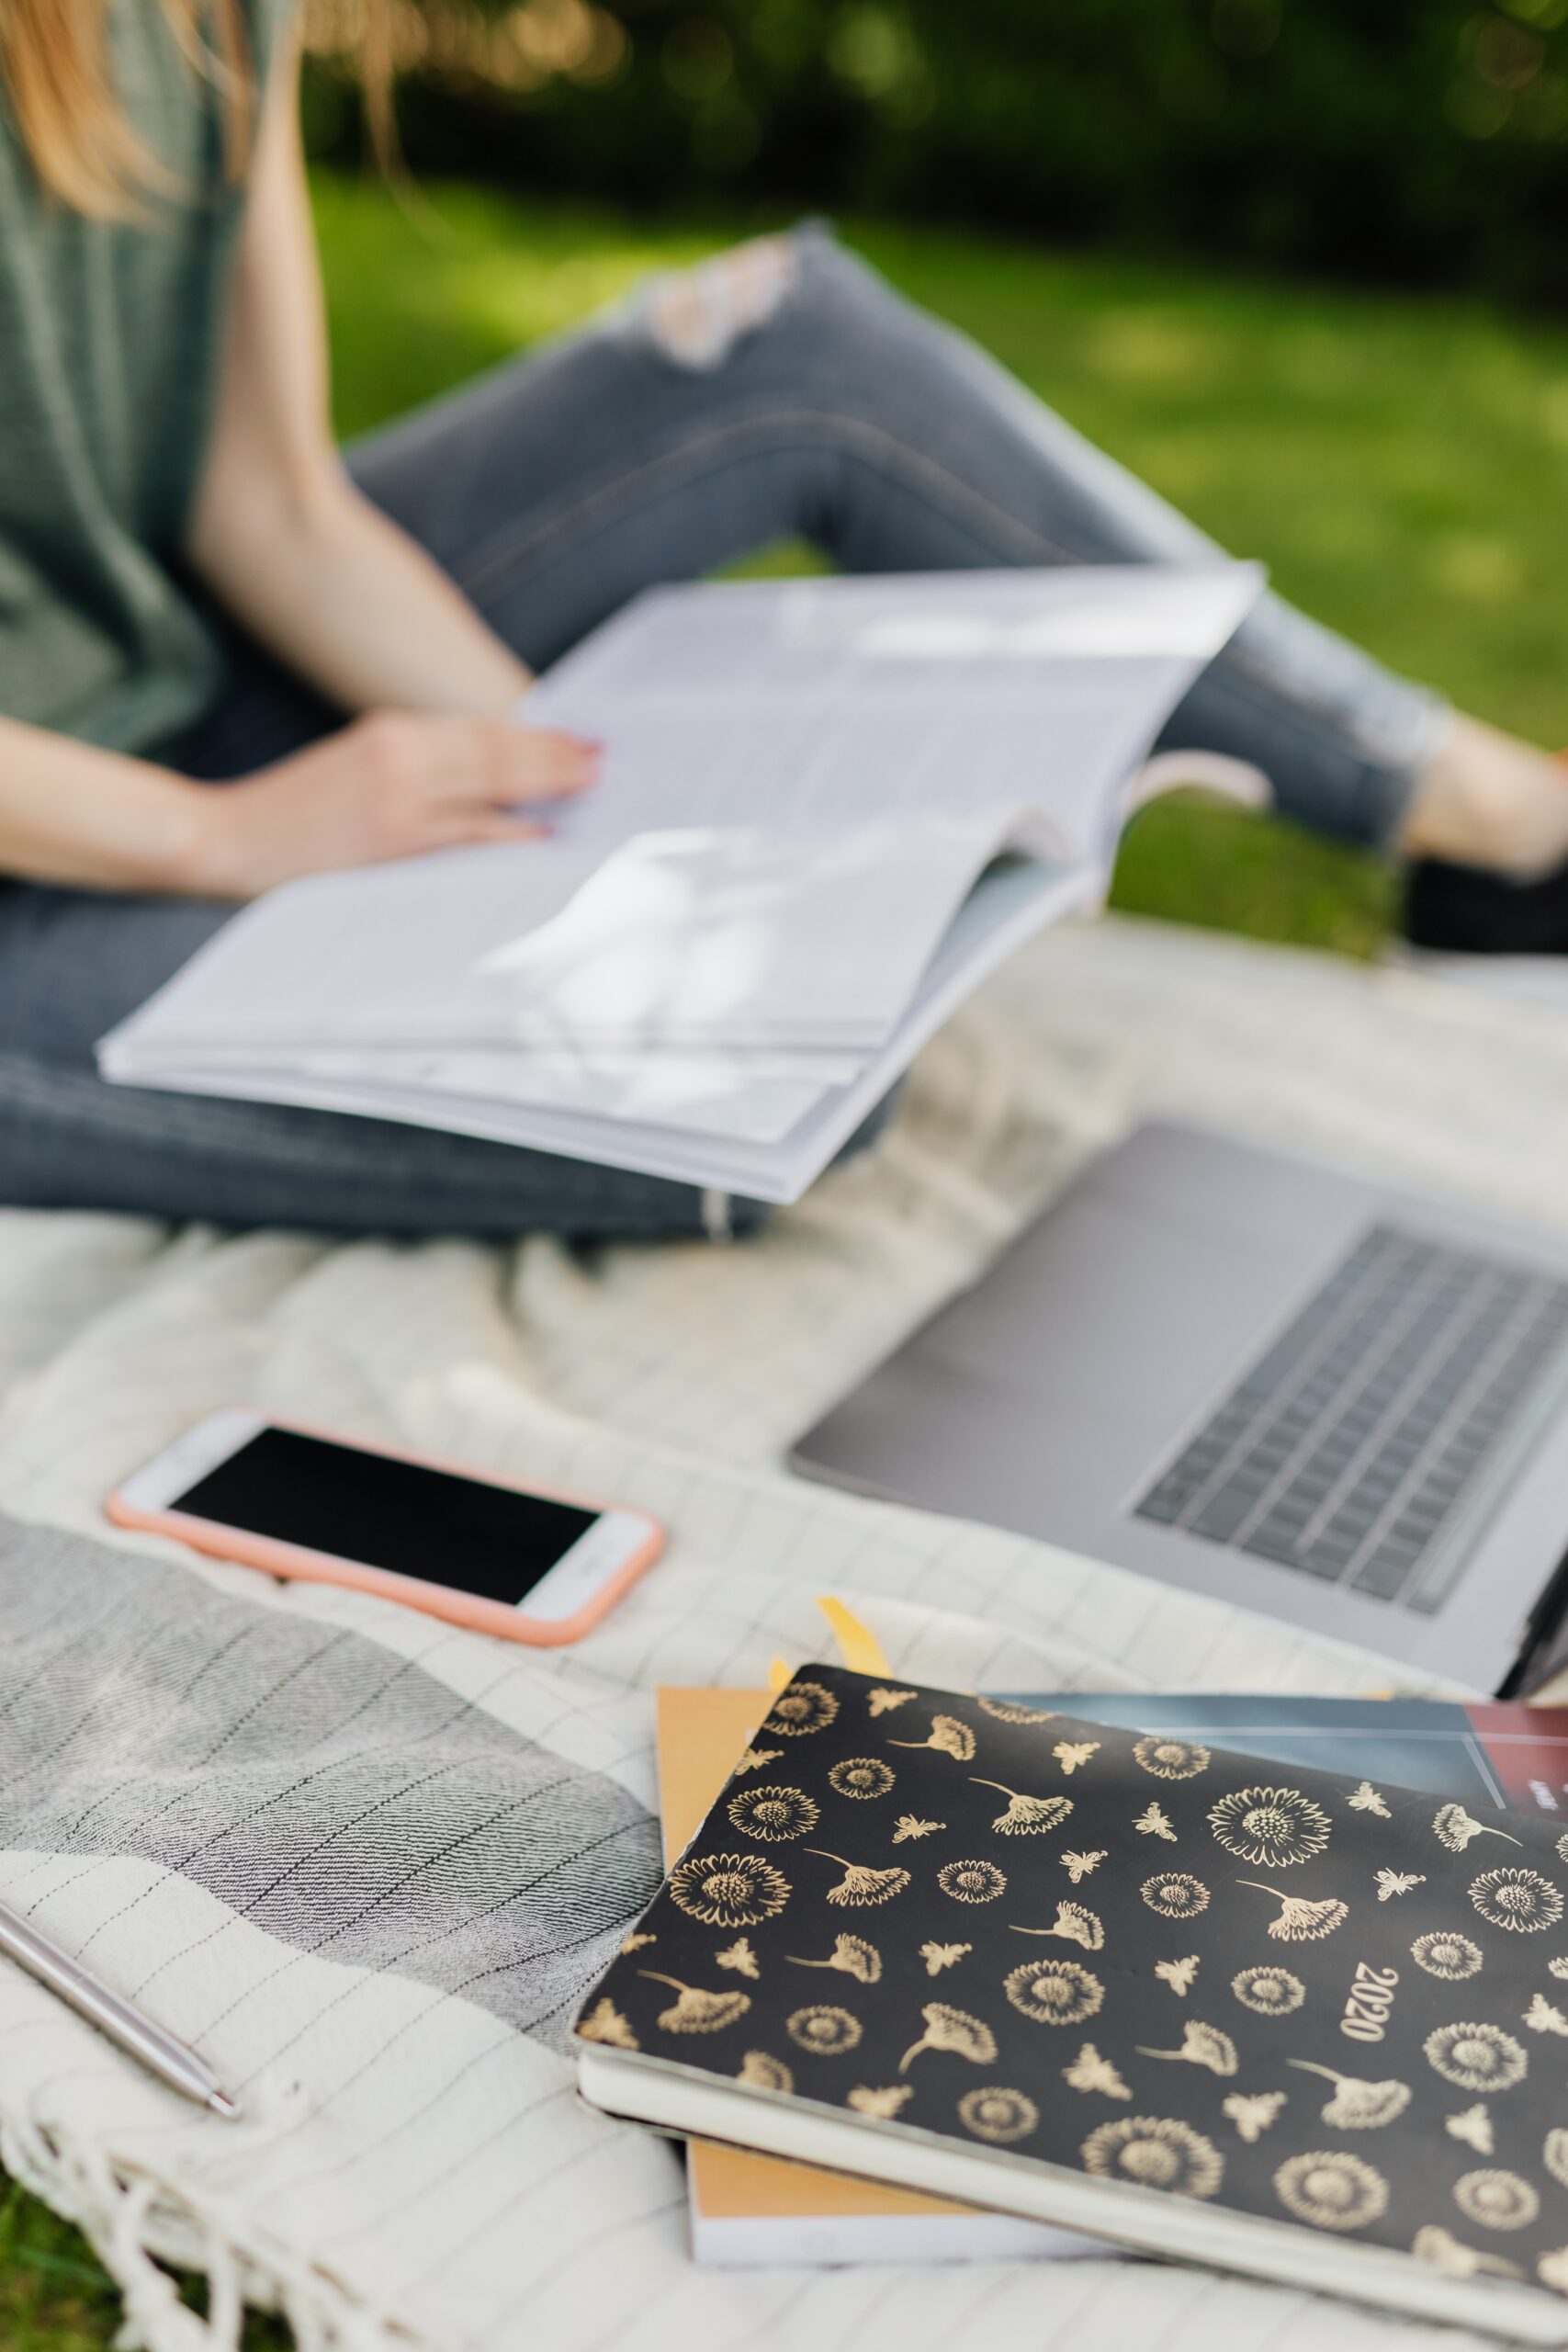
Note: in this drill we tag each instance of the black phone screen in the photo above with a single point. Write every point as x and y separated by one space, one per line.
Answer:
420 1523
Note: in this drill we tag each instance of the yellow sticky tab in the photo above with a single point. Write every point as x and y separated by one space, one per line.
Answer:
778 1675
862 1653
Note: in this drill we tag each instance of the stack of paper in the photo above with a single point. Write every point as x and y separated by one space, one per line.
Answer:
827 807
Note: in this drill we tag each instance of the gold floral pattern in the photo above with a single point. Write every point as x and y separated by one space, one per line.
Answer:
696 2010
1474 2126
939 1956
1300 1920
826 2031
1075 1924
605 2023
999 2116
1477 2057
739 1957
1090 2071
852 1956
1054 1991
1026 1815
862 1886
1155 1822
954 2032
1171 1760
1445 1954
1544 2017
1158 2152
773 1813
971 1881
1073 1753
1202 2045
882 1701
1081 1866
1455 1827
1269 1992
1438 2247
909 1825
1497 2200
948 1737
1366 1799
861 1776
1253 2112
1009 1711
1553 2154
1273 1827
729 1890
1356 2104
804 1707
1398 1882
1179 1974
1331 2190
883 2104
1522 1900
756 1759
1175 1894
760 2072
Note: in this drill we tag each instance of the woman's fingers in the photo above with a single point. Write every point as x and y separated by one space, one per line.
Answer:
507 764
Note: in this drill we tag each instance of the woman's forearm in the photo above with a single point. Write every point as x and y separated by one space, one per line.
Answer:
72 814
348 600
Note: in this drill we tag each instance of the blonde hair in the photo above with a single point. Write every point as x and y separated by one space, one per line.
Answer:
54 56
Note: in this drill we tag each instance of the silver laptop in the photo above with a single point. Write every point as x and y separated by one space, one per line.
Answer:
1260 1378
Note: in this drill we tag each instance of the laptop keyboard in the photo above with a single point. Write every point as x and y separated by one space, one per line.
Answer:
1350 1446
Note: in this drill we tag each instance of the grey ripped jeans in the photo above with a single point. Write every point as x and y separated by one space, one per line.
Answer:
668 438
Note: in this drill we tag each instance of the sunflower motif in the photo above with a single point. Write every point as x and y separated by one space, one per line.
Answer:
1332 2190
1447 1955
1476 2057
1272 1827
948 1737
826 2032
971 1881
729 1890
862 1886
1008 1710
1522 1900
1156 2153
803 1707
1269 1992
773 1813
999 2116
1497 2200
1054 1991
694 2009
954 2032
1171 1760
882 2104
861 1776
1025 1815
1175 1894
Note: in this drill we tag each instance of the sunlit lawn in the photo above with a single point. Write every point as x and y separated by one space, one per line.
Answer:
1402 465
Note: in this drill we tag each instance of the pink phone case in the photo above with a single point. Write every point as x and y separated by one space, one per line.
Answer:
464 1608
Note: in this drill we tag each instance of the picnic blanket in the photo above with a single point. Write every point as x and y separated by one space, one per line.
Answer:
367 1863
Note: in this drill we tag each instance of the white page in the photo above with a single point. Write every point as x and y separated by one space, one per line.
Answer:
801 708
1008 907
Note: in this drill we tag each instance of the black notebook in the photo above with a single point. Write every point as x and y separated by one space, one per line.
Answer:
1288 2023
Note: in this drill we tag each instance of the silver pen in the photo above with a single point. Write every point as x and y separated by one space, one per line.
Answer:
159 2052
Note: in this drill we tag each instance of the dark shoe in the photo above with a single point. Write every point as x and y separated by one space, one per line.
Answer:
1463 910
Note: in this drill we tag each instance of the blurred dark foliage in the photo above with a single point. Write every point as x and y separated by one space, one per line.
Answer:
1416 139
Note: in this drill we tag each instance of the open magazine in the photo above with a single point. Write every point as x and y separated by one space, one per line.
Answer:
828 809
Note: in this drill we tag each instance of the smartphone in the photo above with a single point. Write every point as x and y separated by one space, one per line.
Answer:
498 1558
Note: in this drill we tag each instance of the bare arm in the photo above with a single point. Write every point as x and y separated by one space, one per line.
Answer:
286 543
279 532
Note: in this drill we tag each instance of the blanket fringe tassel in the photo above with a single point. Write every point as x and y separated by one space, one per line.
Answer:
138 2215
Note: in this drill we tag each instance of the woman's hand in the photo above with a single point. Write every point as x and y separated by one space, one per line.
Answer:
389 785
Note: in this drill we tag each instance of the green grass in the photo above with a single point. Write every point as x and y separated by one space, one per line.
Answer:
1401 464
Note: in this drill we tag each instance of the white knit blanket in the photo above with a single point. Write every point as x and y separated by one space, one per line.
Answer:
366 1863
